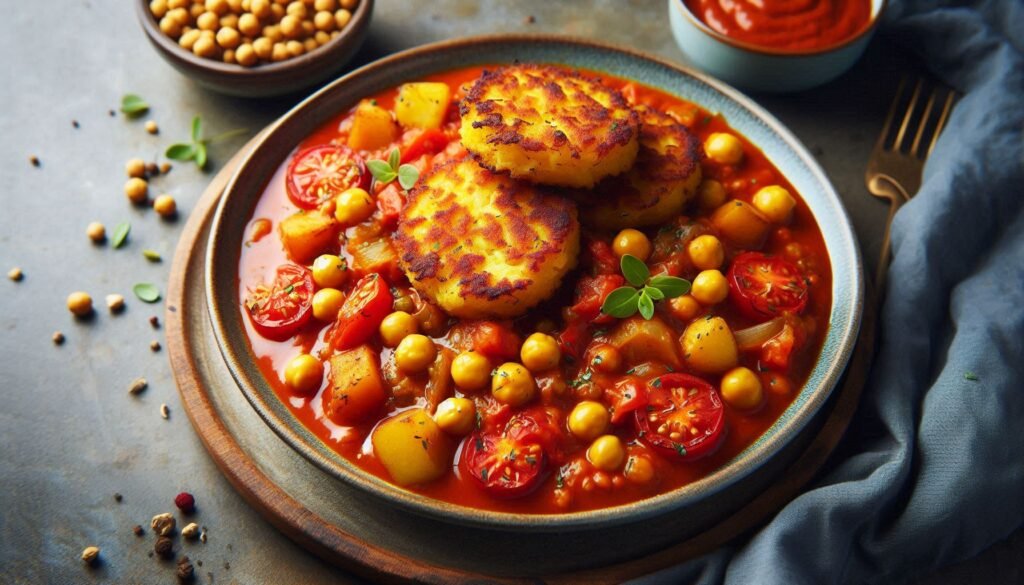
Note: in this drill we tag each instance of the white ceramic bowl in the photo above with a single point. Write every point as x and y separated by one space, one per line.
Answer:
752 67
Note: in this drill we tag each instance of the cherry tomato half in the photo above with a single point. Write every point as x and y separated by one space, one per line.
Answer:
766 286
684 418
279 309
320 173
504 467
360 317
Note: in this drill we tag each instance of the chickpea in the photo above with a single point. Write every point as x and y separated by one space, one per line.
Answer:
170 26
263 47
151 127
218 7
236 6
606 358
296 9
80 304
326 304
188 39
165 206
471 371
775 203
174 4
456 416
513 384
136 190
309 44
396 327
639 470
322 5
349 4
710 194
228 56
279 52
196 9
228 38
684 308
208 21
96 232
710 287
158 8
229 21
205 47
304 374
273 32
630 241
330 271
276 11
776 383
341 18
135 168
741 388
353 206
607 453
324 21
291 26
706 252
540 353
246 55
249 25
415 353
179 14
260 9
588 420
321 38
724 148
295 48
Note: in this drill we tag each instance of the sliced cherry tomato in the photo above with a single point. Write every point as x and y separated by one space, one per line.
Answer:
390 203
320 173
590 294
279 309
625 397
684 418
428 142
504 467
360 317
538 425
766 286
495 341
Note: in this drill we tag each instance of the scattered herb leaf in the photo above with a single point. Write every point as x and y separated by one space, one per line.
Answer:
386 171
152 255
625 301
197 148
621 302
970 376
645 305
147 293
133 106
120 234
634 270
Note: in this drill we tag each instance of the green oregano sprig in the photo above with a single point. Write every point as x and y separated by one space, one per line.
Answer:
196 149
625 301
386 171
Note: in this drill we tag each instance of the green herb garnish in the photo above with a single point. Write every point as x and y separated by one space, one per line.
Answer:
133 106
147 293
197 149
970 376
627 300
120 234
152 255
386 171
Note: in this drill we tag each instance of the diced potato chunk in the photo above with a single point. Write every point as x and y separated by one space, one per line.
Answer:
422 105
377 255
641 340
741 223
709 346
357 389
412 447
372 128
307 234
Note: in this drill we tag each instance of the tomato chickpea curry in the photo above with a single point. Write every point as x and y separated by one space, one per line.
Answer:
532 290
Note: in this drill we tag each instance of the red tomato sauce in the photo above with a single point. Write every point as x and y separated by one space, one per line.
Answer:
800 241
785 24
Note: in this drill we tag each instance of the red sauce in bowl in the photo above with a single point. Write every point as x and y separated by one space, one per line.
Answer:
785 24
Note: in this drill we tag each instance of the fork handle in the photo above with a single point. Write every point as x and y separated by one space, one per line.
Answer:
896 200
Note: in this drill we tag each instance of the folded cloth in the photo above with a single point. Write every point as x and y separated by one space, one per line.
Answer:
932 468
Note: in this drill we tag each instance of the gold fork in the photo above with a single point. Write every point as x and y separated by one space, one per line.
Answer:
894 169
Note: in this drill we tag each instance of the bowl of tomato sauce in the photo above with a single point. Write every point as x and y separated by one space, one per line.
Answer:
774 46
705 296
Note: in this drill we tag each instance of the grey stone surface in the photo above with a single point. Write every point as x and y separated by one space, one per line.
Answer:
70 436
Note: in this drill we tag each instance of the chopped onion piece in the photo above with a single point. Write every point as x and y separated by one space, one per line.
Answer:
754 337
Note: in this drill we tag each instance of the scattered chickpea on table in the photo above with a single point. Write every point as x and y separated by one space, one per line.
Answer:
250 32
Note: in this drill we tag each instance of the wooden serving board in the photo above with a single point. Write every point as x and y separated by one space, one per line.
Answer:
360 533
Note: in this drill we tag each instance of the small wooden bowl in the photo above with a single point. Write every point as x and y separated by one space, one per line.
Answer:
264 80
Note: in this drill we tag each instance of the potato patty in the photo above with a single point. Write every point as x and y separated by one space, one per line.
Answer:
666 175
548 126
480 244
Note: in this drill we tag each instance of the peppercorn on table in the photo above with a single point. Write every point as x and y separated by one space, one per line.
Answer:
95 444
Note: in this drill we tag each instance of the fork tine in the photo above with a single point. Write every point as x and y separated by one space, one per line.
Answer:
922 124
910 114
943 117
883 136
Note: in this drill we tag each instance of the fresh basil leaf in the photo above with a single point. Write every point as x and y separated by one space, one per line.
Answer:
671 286
120 234
181 152
621 302
133 106
201 154
407 176
197 128
394 159
645 305
146 292
654 293
634 270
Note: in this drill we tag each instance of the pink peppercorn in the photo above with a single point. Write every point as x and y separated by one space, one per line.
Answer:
185 502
